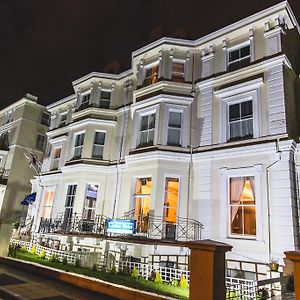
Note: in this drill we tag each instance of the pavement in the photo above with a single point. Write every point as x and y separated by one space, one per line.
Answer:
18 284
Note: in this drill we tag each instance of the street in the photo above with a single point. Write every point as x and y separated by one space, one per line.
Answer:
22 285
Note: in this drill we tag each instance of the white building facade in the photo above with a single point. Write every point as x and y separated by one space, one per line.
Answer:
199 139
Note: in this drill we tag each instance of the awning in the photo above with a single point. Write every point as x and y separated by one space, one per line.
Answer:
29 199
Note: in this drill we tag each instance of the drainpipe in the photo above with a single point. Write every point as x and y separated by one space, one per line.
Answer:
268 197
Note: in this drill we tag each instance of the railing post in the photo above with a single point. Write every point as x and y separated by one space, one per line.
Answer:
207 270
294 256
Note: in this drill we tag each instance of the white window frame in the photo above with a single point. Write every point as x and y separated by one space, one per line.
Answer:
74 147
238 93
175 128
150 66
225 223
55 161
100 98
237 47
63 122
98 145
82 95
138 118
176 176
44 142
97 198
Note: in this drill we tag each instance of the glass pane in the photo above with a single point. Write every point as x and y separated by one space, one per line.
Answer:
250 220
104 104
236 217
175 119
98 151
171 199
173 137
235 130
234 55
144 123
245 51
99 138
246 109
150 136
151 121
247 196
234 112
178 67
143 137
105 95
247 128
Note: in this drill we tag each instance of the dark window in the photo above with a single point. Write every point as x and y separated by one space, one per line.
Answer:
147 130
46 119
104 101
239 58
40 142
98 145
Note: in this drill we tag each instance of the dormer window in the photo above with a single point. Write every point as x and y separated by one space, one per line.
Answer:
178 71
63 119
151 74
104 100
239 56
46 118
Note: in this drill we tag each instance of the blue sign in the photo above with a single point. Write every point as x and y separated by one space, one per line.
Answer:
121 226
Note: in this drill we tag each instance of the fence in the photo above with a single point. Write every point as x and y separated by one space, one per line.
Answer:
240 288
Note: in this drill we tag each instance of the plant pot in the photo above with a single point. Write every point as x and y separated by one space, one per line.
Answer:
274 266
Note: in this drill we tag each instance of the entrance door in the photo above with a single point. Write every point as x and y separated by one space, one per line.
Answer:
142 203
170 207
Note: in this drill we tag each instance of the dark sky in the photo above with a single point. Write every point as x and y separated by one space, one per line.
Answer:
46 44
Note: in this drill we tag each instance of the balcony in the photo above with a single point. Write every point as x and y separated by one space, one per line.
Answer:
152 227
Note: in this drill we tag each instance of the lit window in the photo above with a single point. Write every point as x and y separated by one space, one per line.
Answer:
142 199
151 75
104 101
89 207
48 202
71 192
40 142
79 140
56 158
178 71
98 145
147 129
174 128
170 207
240 117
238 57
242 206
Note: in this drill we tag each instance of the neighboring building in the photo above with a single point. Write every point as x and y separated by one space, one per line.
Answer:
23 127
197 132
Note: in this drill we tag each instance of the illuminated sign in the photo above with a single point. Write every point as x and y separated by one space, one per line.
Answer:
121 226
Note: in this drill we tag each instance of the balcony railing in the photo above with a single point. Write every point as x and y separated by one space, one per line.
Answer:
146 226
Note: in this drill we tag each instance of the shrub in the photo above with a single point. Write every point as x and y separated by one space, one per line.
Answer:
12 251
135 273
53 258
33 249
65 261
183 283
77 263
158 278
114 271
42 254
24 249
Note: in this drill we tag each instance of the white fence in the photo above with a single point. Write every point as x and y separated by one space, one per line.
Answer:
246 289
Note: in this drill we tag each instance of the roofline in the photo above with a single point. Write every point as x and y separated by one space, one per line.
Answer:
102 75
222 31
61 101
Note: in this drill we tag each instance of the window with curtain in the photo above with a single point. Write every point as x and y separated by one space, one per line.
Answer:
98 145
147 129
79 140
242 206
151 75
240 118
174 128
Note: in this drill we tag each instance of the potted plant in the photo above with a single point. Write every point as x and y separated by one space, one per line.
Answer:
274 265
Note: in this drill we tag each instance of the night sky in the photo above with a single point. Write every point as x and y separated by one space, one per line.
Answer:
47 44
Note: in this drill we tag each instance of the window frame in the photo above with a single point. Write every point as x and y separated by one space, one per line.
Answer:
100 99
238 47
46 118
85 104
99 145
178 61
38 143
74 144
63 119
148 67
174 110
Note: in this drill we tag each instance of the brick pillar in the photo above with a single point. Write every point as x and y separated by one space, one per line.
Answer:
294 256
207 270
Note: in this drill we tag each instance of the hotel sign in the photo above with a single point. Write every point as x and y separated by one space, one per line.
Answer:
121 226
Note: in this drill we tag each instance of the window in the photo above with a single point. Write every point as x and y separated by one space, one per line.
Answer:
40 142
46 119
85 100
240 117
142 199
174 128
98 145
151 75
104 101
170 206
71 192
79 140
56 158
63 119
89 207
147 130
242 206
238 57
48 202
178 71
